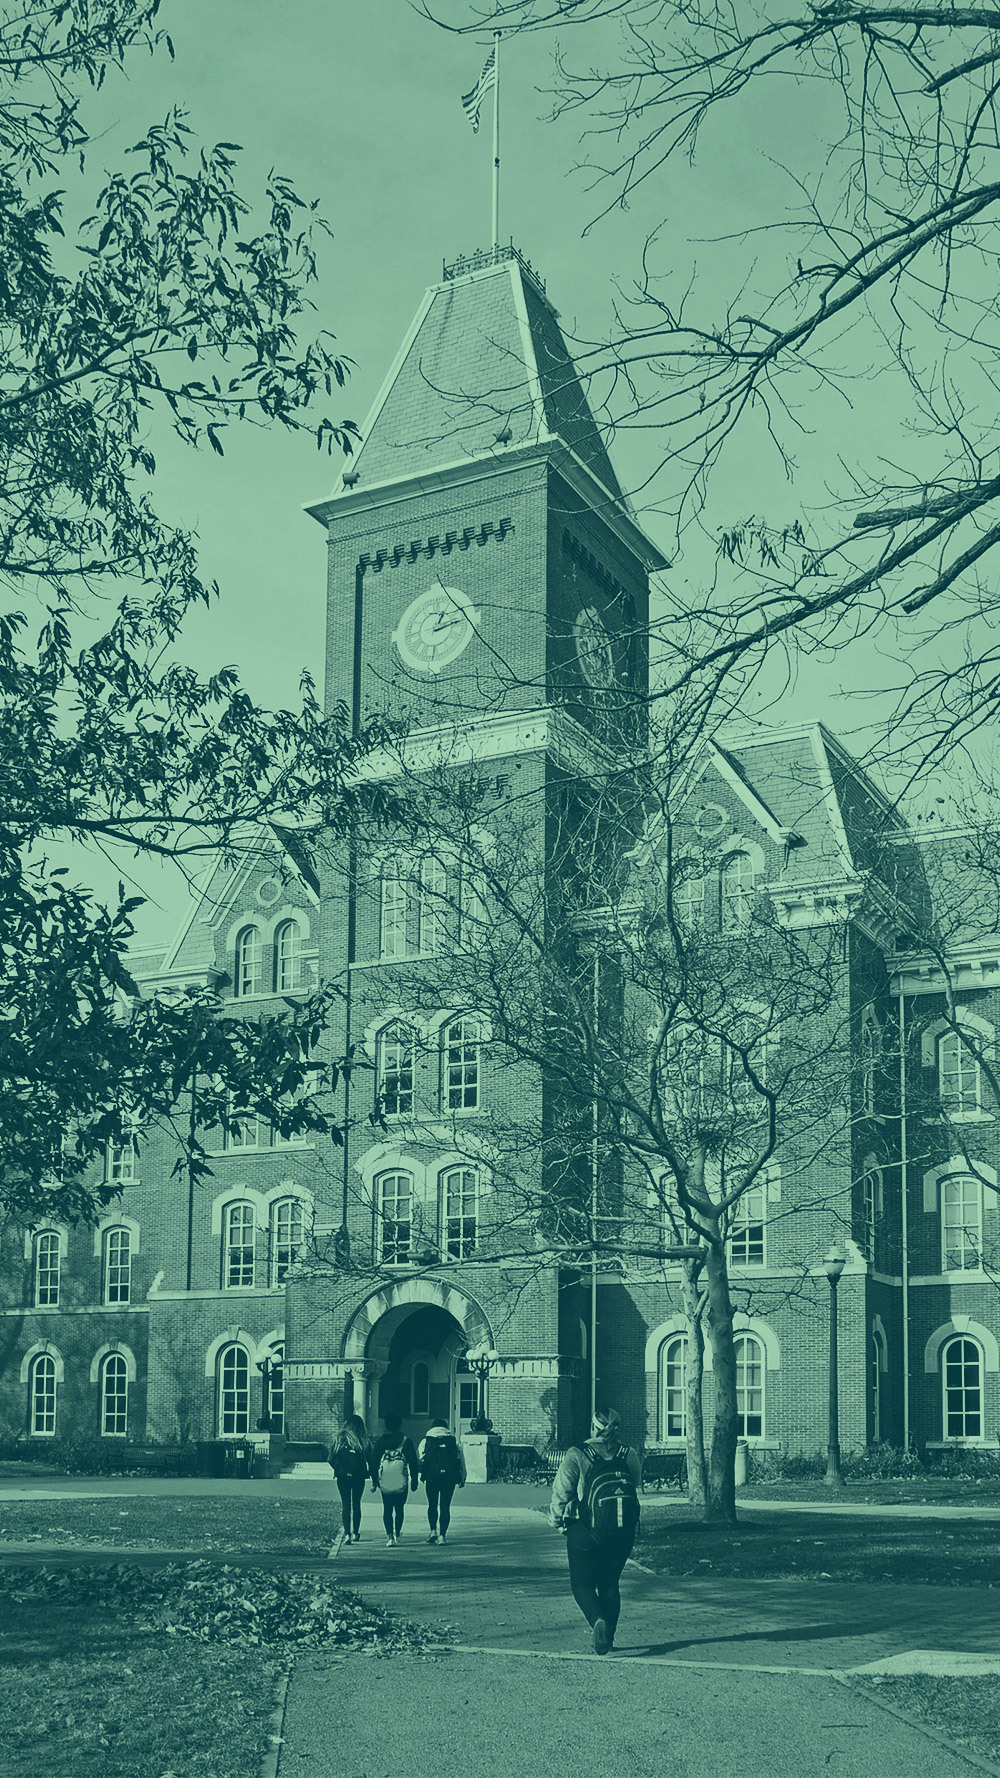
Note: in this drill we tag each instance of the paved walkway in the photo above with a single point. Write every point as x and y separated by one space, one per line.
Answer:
709 1679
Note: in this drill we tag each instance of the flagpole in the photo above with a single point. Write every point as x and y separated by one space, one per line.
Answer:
496 142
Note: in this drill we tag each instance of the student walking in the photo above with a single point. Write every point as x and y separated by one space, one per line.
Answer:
394 1472
595 1500
442 1466
350 1461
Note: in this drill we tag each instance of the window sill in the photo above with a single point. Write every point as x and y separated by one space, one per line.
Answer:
962 1444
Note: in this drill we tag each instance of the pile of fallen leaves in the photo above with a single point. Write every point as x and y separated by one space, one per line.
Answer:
221 1603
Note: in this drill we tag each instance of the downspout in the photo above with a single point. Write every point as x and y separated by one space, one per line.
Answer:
192 1134
594 1168
904 1220
343 1243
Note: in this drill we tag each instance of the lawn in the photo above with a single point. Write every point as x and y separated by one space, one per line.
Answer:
127 1672
251 1523
799 1546
967 1711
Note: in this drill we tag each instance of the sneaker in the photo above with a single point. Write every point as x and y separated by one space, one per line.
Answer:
442 1537
433 1537
389 1542
602 1641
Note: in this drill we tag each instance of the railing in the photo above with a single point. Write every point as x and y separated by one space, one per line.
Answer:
477 262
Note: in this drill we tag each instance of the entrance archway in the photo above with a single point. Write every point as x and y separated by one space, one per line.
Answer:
408 1343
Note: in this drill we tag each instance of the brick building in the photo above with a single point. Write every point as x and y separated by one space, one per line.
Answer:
488 586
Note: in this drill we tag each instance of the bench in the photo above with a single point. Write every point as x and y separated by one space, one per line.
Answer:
664 1469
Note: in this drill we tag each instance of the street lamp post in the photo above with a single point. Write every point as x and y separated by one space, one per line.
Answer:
482 1362
265 1366
833 1265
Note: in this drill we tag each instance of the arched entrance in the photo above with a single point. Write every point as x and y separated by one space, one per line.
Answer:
408 1342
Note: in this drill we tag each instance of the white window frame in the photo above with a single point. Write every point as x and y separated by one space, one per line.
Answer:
753 1390
393 900
462 1064
396 1061
951 1390
969 1244
239 1217
120 1159
42 1407
395 1186
870 1049
233 1394
736 903
44 1240
748 1228
275 1393
286 1245
287 957
433 905
248 976
459 1225
672 1389
118 1236
871 1208
114 1402
967 1100
250 1127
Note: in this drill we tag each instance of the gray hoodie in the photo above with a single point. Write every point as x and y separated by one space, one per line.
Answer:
567 1490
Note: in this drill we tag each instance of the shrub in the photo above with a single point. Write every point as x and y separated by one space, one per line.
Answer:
784 1466
100 1456
881 1463
959 1461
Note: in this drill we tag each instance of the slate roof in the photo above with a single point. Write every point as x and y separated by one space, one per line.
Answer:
484 356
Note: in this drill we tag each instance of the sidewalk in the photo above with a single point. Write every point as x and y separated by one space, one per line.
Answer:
709 1679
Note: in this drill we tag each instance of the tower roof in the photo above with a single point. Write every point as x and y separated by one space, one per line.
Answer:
483 368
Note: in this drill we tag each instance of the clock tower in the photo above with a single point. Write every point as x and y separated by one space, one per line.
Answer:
488 591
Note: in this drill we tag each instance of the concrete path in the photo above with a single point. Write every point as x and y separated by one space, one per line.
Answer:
709 1679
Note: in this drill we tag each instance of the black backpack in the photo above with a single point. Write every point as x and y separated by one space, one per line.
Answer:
441 1459
609 1504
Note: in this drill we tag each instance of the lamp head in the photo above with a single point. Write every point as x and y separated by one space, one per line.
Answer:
835 1262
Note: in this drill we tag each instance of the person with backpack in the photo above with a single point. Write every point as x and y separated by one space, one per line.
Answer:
595 1500
442 1466
393 1473
349 1459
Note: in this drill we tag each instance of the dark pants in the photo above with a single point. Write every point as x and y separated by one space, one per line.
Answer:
439 1493
594 1572
392 1513
350 1499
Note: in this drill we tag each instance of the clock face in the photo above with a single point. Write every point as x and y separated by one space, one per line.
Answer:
593 649
435 628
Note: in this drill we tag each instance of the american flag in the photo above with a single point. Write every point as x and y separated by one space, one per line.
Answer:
472 101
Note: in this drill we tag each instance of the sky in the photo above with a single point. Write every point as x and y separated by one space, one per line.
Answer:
360 106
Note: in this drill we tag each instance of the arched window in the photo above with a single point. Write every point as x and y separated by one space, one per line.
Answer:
114 1397
736 888
117 1266
392 912
462 1042
673 1388
274 1390
433 904
47 1270
870 1047
749 1387
394 1212
395 1055
958 1074
871 1209
249 976
961 1224
234 1392
42 1397
286 1237
962 1377
877 1361
420 1388
460 1211
287 949
746 1239
238 1248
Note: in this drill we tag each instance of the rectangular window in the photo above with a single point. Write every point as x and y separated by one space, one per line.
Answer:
462 1066
395 1210
121 1162
961 1224
114 1398
433 905
392 916
749 1388
460 1191
238 1271
871 1187
746 1241
117 1266
958 1074
245 1133
395 1073
47 1271
468 1398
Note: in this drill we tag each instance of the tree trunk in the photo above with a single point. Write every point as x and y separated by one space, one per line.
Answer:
697 1475
721 1503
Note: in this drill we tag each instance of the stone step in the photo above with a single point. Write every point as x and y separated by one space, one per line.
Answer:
308 1472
